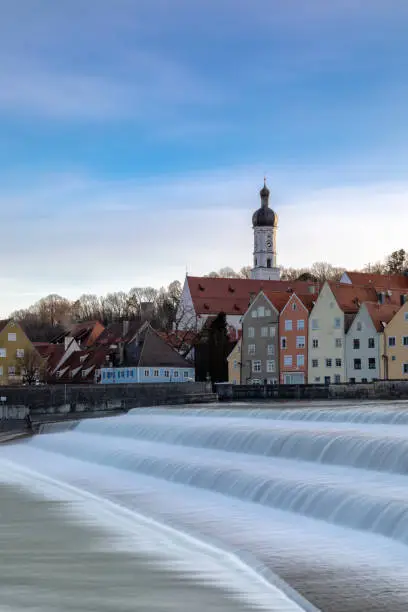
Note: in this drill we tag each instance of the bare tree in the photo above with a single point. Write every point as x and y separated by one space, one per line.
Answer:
31 366
396 263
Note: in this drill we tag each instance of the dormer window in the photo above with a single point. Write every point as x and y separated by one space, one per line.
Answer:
231 289
206 307
200 286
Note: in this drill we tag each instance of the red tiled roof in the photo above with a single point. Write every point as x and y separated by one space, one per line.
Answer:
380 281
278 298
232 295
350 297
381 313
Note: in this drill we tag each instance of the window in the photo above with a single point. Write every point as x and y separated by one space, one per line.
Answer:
147 373
405 368
84 373
301 324
261 311
315 363
406 316
264 332
12 371
315 323
270 365
356 343
272 331
371 363
371 343
12 337
251 332
294 307
284 344
315 343
185 374
357 364
288 325
254 313
20 353
287 360
251 349
267 312
235 364
317 379
166 373
391 341
405 340
359 326
1 370
393 358
156 373
300 341
300 360
364 380
338 343
3 352
271 349
328 363
337 323
256 365
338 363
175 374
268 263
337 378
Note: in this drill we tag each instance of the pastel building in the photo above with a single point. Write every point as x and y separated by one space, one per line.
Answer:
365 342
293 339
329 320
234 364
395 354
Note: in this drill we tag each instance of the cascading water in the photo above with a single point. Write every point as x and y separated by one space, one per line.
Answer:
319 496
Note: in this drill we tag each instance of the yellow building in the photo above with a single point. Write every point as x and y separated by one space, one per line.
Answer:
14 347
395 350
234 364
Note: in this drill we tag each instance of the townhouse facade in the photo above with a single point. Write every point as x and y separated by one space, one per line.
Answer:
395 355
293 339
234 364
260 340
365 342
15 347
326 340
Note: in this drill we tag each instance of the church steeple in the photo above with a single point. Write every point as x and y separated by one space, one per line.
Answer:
265 224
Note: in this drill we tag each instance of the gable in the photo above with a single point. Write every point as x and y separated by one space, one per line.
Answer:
156 352
260 300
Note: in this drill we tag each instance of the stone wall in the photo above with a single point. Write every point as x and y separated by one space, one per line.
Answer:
68 399
381 390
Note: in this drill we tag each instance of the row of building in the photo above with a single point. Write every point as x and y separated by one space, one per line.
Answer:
125 352
354 330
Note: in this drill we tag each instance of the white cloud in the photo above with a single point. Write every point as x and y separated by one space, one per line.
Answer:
106 236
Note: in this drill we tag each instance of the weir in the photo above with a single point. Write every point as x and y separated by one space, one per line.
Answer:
303 493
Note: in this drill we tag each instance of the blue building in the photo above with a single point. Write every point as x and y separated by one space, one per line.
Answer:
147 358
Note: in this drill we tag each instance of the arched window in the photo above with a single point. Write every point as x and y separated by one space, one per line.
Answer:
268 263
256 261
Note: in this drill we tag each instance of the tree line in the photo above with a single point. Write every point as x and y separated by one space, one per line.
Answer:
48 317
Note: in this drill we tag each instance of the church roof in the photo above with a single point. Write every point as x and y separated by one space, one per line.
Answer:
380 281
232 295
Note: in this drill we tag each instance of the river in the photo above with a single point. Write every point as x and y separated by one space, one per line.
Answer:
232 508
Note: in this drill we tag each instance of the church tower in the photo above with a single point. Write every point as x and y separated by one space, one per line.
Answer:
265 224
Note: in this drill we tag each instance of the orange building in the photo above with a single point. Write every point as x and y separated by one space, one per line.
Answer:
293 339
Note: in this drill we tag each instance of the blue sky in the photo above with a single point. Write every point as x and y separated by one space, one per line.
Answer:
135 136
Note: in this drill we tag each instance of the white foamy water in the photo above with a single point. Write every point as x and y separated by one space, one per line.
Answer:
318 497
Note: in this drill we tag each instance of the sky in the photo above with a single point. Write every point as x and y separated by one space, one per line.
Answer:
135 135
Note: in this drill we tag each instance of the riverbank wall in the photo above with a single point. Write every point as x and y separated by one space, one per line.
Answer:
43 403
380 390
